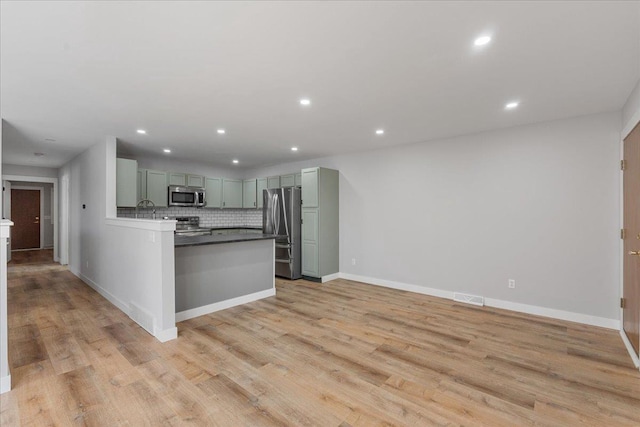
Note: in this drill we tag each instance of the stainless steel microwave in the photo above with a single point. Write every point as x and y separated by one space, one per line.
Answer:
186 196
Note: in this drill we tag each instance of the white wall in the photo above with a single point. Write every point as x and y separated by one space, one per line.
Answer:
30 171
130 262
631 110
538 204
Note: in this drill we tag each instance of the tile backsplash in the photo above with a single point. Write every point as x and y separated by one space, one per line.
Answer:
208 217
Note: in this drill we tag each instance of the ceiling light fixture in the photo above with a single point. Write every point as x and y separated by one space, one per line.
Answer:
142 131
380 132
481 41
49 140
294 148
222 131
38 154
235 161
305 101
166 150
511 105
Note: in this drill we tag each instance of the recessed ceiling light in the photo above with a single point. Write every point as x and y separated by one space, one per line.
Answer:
222 131
305 101
142 131
511 105
294 148
235 161
166 150
380 132
38 154
481 41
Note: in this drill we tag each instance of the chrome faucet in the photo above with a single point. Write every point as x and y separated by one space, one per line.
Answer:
146 205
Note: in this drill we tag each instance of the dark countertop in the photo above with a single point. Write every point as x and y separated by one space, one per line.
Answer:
242 227
182 241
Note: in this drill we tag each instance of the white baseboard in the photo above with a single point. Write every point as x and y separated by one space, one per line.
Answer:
632 352
162 336
507 305
124 307
222 305
166 335
5 384
330 277
398 285
553 313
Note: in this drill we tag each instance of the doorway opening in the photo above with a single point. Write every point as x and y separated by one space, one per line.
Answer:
31 202
630 302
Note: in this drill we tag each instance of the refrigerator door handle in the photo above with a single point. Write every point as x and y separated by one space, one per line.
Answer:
276 217
286 219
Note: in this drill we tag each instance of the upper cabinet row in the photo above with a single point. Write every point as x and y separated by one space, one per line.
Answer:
186 179
219 192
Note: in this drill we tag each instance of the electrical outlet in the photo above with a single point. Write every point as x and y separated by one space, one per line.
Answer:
512 284
353 261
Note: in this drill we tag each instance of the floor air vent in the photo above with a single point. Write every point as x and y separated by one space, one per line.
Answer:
469 299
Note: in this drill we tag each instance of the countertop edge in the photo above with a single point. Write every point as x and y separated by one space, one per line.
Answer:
181 242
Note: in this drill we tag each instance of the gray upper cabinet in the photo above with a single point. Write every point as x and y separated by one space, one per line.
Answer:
249 190
231 193
157 190
141 184
126 185
261 185
213 192
195 181
287 180
220 192
273 182
320 212
177 178
310 187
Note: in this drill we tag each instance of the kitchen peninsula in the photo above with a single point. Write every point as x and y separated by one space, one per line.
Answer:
214 272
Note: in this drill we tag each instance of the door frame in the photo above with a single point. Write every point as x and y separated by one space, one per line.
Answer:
58 237
629 126
18 186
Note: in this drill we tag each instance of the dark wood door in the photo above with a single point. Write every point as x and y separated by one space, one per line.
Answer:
631 256
25 214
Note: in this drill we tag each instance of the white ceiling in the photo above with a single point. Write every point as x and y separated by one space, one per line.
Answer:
78 71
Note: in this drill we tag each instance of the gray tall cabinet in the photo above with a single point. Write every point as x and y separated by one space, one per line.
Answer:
320 210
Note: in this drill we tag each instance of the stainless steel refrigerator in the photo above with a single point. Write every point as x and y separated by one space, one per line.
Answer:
281 215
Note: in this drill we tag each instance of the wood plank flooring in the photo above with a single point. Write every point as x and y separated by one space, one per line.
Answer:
44 256
335 354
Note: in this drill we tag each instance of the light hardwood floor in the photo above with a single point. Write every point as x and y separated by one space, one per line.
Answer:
44 256
335 354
